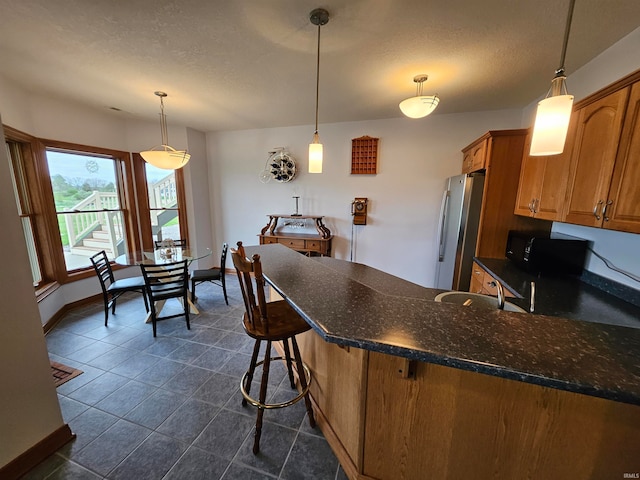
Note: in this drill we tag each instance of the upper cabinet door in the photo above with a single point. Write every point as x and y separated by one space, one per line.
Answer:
623 211
593 157
474 157
530 184
543 181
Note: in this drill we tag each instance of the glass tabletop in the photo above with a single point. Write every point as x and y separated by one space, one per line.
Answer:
162 255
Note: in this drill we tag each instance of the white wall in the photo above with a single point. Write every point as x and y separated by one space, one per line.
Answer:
620 248
29 408
415 158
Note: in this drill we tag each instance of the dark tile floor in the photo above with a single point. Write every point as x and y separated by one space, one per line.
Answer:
170 407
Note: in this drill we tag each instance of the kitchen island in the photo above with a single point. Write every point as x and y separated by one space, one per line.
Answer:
405 387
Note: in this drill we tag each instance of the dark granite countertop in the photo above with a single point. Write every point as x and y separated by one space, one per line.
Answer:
569 297
352 304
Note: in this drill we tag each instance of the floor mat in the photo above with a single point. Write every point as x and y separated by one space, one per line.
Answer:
62 373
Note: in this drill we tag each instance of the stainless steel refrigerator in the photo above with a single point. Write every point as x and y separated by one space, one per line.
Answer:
458 230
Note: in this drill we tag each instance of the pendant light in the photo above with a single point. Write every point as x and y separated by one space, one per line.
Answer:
318 17
554 112
420 105
164 156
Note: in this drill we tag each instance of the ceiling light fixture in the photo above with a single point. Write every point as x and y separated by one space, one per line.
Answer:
318 17
164 156
420 105
554 112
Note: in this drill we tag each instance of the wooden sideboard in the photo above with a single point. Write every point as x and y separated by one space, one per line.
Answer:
308 243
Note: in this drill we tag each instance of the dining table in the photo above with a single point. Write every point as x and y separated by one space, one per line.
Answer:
161 256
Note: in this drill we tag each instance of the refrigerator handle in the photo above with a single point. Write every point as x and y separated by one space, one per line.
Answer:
443 215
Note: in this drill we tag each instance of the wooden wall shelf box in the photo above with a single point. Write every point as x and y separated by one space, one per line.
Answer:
364 155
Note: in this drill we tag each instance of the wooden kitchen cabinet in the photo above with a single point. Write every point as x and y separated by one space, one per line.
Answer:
483 282
502 152
604 180
623 210
599 126
543 181
474 156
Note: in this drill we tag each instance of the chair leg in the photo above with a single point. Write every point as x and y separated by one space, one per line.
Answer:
187 308
146 302
106 308
263 397
303 381
287 356
193 290
224 290
252 369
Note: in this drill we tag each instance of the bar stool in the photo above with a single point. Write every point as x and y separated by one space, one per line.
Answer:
271 322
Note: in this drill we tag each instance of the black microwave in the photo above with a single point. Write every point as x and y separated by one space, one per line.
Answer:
548 253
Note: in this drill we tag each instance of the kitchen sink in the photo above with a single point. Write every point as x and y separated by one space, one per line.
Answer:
475 300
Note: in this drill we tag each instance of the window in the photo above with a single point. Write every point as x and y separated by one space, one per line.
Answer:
75 200
25 208
163 203
86 194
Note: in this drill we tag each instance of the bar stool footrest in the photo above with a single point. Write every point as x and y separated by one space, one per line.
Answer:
270 406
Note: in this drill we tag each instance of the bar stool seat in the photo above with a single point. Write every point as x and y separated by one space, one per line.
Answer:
269 322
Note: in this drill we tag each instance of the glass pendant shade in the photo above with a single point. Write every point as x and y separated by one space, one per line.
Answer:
317 17
166 157
418 107
554 112
315 155
551 125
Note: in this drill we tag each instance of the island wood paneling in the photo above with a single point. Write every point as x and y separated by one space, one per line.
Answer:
338 388
453 424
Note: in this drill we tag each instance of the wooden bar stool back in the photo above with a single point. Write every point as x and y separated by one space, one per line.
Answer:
270 322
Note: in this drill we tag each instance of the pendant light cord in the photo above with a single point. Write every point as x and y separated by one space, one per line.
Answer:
566 36
318 78
163 123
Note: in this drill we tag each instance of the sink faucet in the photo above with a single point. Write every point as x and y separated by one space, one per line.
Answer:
500 296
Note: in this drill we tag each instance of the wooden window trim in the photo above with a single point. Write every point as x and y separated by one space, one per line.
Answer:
124 196
133 196
29 151
142 194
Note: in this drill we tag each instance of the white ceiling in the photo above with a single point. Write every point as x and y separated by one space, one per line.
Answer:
238 64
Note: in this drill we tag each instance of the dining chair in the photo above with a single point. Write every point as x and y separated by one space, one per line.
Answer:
271 322
112 288
180 242
163 282
214 275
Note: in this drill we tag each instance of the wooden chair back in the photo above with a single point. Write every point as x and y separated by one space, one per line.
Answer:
254 300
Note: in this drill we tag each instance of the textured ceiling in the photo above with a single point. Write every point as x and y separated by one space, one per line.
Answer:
251 63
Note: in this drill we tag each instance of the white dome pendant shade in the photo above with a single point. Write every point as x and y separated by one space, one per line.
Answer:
420 105
163 156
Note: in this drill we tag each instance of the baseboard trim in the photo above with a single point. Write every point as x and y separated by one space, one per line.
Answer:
36 454
59 315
